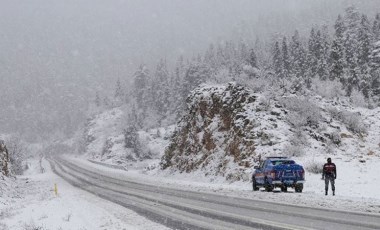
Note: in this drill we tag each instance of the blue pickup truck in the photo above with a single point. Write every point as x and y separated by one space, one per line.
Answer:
279 172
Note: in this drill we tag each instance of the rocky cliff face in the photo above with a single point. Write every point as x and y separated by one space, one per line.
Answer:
216 134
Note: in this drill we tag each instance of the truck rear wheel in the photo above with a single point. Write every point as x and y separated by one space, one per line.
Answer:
268 187
299 188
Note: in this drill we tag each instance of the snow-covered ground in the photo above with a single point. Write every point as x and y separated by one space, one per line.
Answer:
34 205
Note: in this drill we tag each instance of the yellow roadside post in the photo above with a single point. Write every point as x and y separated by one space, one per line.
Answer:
55 189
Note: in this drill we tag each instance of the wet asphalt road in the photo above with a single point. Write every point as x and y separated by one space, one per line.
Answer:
179 209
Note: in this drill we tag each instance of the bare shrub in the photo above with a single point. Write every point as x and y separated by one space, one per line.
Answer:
67 217
302 112
328 89
336 138
294 150
357 98
335 113
315 167
354 122
33 226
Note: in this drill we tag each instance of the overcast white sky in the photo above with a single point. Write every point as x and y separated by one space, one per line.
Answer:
74 46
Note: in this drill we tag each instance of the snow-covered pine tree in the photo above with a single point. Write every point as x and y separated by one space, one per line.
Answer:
210 58
337 60
324 46
364 38
376 28
252 59
16 150
375 69
277 60
4 159
285 59
119 94
140 86
352 21
196 74
97 101
160 88
243 52
312 61
297 56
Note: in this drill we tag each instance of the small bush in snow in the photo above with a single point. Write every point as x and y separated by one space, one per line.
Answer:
33 226
330 148
336 138
328 89
335 113
357 98
314 167
67 217
354 122
264 104
301 112
294 150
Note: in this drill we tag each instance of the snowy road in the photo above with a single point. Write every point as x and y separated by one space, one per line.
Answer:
181 209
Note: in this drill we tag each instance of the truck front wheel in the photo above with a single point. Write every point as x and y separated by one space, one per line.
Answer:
254 185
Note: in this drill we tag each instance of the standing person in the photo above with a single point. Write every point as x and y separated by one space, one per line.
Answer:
329 175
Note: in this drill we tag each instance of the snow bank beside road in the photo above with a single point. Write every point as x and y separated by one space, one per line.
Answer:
38 207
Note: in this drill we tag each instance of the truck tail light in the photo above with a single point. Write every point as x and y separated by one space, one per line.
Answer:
302 172
272 174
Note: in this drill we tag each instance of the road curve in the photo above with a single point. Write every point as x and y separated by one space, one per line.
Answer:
179 209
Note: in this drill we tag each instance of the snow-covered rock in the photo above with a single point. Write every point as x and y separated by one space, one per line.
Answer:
215 136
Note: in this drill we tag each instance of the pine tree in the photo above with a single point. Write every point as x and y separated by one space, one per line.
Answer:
252 59
244 52
352 20
337 61
324 50
313 54
286 67
119 95
97 101
160 91
196 74
297 56
364 37
375 56
375 69
131 137
211 58
376 28
277 60
141 80
4 159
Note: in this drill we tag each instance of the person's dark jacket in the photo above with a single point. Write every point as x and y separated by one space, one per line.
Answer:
329 170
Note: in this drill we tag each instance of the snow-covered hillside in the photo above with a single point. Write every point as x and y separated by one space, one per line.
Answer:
105 141
306 128
227 128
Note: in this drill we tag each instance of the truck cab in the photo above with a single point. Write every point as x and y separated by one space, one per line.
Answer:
279 172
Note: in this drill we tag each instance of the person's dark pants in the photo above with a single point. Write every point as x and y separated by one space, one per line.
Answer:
332 181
